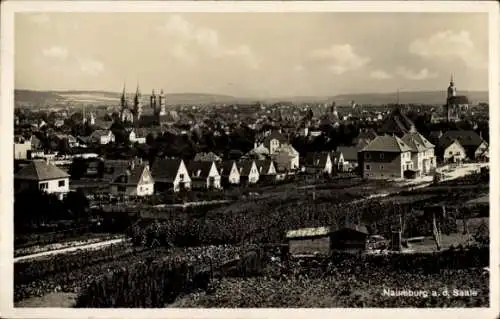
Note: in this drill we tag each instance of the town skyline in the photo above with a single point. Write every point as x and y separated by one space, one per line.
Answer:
85 51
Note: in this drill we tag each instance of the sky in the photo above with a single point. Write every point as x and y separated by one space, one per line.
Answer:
251 54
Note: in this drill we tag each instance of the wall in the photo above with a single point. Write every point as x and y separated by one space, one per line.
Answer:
21 150
53 185
388 167
309 246
234 175
187 180
146 189
454 152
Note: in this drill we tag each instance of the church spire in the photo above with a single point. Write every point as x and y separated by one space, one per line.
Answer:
451 79
123 99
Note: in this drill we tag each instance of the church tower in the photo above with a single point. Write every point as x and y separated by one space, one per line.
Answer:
137 104
451 107
123 99
152 100
162 103
452 90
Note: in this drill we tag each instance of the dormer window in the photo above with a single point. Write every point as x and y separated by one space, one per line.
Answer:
198 173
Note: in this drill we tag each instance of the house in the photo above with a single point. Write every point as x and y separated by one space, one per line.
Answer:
230 174
136 137
396 123
454 153
102 137
422 155
38 174
171 174
204 175
472 142
286 158
73 141
22 147
207 157
325 240
249 173
318 162
386 157
134 181
346 158
112 168
273 141
267 170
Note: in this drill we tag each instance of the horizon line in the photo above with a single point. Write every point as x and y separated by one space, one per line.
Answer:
395 92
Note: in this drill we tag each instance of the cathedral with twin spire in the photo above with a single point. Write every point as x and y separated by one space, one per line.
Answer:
137 115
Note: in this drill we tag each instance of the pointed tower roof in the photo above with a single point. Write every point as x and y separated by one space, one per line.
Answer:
123 98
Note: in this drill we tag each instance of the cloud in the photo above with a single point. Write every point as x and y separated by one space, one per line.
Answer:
409 74
39 18
298 68
197 42
90 66
60 58
340 58
380 75
449 44
58 52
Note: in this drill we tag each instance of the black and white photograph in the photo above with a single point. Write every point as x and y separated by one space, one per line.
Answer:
194 156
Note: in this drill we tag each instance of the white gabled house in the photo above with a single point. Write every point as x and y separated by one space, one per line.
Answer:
249 173
229 172
204 175
454 153
134 181
171 174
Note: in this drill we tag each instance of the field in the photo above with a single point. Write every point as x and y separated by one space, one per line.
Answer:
339 291
198 236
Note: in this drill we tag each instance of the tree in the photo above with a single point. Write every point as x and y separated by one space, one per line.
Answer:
78 168
78 204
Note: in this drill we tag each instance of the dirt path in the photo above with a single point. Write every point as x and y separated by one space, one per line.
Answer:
70 249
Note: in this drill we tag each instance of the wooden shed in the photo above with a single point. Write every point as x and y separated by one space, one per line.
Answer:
324 240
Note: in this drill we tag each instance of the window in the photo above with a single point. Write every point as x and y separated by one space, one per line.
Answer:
181 177
367 155
44 186
381 166
62 183
367 166
381 155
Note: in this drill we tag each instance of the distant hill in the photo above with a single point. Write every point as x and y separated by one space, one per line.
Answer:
416 97
75 98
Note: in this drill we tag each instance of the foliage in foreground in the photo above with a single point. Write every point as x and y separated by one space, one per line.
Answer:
261 283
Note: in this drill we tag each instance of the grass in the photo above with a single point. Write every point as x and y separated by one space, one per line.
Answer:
50 300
